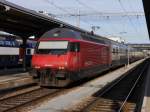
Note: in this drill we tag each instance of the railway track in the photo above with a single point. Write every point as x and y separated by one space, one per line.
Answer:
123 95
21 99
16 101
20 89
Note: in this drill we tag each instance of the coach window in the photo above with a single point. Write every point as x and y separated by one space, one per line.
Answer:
28 52
1 43
113 50
13 58
117 50
126 51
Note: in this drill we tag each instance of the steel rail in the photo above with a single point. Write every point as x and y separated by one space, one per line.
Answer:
130 92
113 85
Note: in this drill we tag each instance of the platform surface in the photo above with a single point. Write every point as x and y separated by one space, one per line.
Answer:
14 80
146 100
70 99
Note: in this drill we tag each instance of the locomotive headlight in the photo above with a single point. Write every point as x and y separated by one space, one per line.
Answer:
20 60
37 67
61 68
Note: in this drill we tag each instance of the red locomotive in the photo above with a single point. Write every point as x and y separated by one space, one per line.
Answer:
63 56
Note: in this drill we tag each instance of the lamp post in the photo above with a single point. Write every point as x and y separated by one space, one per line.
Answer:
128 56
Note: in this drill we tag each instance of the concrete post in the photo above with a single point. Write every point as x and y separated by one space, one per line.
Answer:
24 54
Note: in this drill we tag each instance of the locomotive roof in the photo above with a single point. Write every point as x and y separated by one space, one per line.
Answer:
60 33
65 32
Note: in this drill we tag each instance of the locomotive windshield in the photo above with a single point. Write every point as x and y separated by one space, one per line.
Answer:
57 47
52 47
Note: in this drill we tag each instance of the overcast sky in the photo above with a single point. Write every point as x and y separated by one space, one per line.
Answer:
131 28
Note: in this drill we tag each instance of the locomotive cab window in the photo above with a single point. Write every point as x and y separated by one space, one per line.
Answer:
74 47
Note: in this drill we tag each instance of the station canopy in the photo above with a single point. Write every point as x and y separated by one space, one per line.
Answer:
23 22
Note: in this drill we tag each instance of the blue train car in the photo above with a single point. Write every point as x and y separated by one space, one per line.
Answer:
29 52
11 52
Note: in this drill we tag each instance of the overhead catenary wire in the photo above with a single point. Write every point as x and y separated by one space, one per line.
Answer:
84 5
64 10
68 13
105 14
95 12
142 21
126 14
123 8
138 16
56 6
100 13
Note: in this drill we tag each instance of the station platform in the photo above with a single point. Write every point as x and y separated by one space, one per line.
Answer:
71 99
14 80
146 100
